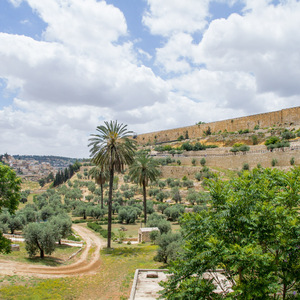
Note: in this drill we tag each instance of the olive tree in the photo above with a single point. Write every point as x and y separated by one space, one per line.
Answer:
40 237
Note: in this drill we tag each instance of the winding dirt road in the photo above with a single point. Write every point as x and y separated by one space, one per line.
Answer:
88 262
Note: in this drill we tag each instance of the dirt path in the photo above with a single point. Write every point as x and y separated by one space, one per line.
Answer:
88 262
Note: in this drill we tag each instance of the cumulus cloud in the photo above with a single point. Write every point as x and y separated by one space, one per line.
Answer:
169 16
87 68
262 42
79 59
240 60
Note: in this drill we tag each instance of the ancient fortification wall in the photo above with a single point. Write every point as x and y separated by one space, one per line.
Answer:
284 117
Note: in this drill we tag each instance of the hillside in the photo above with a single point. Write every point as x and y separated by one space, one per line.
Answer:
230 150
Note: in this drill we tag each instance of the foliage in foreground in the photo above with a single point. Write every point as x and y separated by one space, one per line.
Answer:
10 186
251 231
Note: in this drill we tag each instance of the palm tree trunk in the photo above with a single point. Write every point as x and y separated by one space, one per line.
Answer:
145 202
101 188
111 183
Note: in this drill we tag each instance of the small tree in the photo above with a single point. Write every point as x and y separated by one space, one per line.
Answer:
274 162
144 169
169 246
128 214
62 225
176 194
203 161
40 237
246 167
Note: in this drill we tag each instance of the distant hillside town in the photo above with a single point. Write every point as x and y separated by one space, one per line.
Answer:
34 167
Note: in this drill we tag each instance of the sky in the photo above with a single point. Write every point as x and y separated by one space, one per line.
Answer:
66 66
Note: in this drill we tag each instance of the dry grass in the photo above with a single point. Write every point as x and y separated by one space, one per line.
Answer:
112 281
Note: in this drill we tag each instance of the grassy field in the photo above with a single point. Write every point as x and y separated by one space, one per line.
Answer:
58 257
112 281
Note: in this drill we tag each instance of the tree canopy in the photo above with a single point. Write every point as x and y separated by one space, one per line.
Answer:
112 149
251 231
10 186
143 170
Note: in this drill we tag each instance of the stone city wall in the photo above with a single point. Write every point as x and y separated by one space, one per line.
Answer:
284 117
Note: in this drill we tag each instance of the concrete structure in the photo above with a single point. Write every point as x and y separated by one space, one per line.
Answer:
281 118
144 234
146 283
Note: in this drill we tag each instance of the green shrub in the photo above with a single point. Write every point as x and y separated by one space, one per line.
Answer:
287 135
292 161
239 147
203 161
246 167
243 131
254 139
272 140
274 162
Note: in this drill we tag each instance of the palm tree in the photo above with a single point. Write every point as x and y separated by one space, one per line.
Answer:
100 175
112 149
143 170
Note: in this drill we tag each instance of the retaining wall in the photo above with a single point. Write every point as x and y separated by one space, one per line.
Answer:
231 161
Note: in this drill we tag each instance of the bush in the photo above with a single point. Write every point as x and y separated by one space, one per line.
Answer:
274 162
160 222
254 139
272 140
239 147
154 235
203 161
96 227
243 131
188 183
187 146
246 167
174 212
281 144
204 173
292 161
128 214
287 135
169 247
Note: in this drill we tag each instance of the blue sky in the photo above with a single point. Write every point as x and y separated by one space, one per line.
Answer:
67 65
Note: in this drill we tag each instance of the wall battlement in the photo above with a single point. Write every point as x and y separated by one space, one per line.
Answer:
281 118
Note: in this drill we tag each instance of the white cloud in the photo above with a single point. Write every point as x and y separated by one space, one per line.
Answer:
86 70
262 42
171 16
79 61
173 56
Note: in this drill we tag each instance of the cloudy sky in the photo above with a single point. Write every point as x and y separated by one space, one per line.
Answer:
68 65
